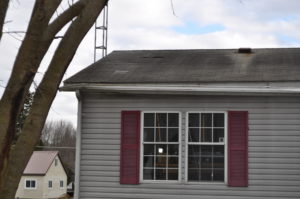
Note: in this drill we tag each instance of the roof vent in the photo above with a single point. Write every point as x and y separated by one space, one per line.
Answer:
244 50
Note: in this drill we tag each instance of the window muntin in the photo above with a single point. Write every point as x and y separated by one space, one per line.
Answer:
160 144
206 147
30 184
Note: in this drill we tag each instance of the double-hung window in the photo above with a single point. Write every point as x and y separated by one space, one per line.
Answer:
160 144
206 146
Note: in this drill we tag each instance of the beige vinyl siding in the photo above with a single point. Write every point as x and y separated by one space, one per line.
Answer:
55 174
274 147
37 192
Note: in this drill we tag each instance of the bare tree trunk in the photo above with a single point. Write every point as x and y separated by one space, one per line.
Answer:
3 10
14 160
22 75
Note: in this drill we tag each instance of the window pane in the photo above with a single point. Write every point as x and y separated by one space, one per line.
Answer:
218 119
218 162
193 175
218 151
194 120
218 175
206 174
194 162
161 161
149 134
148 161
194 135
161 119
33 184
173 135
219 135
161 149
160 174
149 174
173 119
27 183
206 135
149 119
194 150
172 174
173 162
173 149
206 162
206 120
206 151
161 135
148 149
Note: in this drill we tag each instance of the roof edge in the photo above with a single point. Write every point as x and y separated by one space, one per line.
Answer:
258 87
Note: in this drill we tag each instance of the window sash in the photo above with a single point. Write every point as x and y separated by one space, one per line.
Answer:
188 143
155 156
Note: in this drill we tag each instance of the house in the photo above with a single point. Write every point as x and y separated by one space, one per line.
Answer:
43 177
174 124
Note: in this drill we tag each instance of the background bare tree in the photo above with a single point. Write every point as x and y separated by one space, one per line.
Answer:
60 136
41 31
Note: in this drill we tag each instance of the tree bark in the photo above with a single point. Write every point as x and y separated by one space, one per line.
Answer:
3 9
17 159
24 69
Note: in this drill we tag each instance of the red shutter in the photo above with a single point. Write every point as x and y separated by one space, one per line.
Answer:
130 147
238 148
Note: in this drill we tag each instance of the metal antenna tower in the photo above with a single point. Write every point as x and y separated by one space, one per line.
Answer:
101 27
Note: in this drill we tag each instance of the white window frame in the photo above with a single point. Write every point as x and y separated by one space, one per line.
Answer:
51 184
29 179
142 148
56 161
225 147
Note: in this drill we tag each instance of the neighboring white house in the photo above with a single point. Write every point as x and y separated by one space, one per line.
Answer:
43 177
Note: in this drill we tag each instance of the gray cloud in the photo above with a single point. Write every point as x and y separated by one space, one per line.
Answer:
136 24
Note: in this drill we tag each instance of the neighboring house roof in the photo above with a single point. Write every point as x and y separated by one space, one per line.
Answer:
192 67
40 162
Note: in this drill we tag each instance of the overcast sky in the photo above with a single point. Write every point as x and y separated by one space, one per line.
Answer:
153 24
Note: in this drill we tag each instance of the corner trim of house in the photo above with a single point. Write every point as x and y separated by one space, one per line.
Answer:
78 147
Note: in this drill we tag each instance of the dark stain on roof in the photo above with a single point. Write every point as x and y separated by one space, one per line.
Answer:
193 66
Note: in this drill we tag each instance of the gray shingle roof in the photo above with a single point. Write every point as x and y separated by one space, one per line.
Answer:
193 66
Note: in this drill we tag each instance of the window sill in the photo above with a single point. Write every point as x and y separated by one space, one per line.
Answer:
181 182
160 182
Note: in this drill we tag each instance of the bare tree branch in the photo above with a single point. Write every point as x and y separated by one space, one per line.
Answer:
173 10
24 69
63 19
3 10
